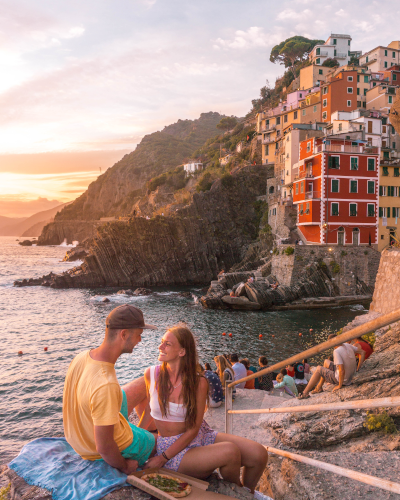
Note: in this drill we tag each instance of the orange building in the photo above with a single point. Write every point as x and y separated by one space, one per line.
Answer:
339 94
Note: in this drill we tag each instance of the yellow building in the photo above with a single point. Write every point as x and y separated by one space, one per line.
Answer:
389 203
312 76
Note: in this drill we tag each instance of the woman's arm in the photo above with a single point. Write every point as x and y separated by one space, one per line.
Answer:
188 436
146 419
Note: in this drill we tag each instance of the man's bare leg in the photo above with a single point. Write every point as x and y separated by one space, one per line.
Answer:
314 381
137 399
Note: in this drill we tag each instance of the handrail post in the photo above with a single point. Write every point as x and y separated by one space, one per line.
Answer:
228 406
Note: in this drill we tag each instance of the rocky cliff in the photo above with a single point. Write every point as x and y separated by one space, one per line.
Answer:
192 246
57 232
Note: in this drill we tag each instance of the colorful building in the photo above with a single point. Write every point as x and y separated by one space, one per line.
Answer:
336 47
381 58
336 192
339 94
389 202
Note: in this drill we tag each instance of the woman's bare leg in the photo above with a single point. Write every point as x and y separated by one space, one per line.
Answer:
200 462
254 457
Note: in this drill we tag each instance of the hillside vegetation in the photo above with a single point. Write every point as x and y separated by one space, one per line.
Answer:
114 192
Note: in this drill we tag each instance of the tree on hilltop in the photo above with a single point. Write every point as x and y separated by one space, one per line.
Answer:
292 51
227 123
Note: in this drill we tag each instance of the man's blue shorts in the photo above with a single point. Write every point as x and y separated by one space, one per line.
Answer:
143 441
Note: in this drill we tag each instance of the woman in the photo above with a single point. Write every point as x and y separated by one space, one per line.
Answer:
287 382
265 381
177 396
250 383
215 391
225 372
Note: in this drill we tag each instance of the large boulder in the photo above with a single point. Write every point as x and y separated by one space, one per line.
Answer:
242 303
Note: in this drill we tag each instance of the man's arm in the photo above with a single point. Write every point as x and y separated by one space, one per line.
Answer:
341 377
361 359
109 451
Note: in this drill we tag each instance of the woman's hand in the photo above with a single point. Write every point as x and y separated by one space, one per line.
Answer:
157 462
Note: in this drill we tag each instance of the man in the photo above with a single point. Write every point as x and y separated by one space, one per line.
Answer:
95 409
239 370
340 372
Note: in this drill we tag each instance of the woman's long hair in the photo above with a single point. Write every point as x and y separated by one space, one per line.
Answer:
189 373
222 364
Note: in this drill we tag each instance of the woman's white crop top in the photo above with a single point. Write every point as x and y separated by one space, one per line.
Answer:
175 412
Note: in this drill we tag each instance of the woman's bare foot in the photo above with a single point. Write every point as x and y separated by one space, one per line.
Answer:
317 391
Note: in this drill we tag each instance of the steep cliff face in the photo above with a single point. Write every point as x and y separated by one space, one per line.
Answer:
115 192
57 232
211 233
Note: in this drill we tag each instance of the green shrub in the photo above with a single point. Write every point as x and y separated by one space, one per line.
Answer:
366 252
275 251
227 180
312 252
205 182
343 254
4 492
335 266
299 257
267 229
380 422
322 265
289 251
370 337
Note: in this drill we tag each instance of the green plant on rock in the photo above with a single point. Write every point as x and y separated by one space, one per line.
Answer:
366 252
312 252
267 229
275 251
370 338
380 422
299 258
289 251
335 266
322 265
4 492
343 253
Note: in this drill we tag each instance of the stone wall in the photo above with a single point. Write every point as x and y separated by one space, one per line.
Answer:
387 289
352 270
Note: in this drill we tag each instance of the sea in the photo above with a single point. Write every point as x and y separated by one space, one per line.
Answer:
70 321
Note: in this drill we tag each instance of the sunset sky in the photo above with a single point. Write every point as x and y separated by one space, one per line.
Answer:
82 82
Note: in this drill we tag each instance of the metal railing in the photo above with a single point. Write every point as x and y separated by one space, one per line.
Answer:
312 195
352 334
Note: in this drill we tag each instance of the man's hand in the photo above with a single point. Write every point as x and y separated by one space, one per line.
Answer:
131 466
158 462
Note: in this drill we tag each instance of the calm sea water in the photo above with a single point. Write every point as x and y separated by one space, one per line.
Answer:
69 321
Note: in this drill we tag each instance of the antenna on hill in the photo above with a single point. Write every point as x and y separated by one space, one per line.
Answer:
100 170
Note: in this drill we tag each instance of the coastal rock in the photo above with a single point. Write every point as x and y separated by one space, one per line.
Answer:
188 248
105 300
142 291
242 303
26 243
187 295
77 253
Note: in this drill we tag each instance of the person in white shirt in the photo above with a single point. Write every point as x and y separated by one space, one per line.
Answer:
338 372
239 370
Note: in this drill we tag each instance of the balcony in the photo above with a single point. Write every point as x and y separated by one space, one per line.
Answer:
340 55
312 195
338 148
305 174
322 53
267 130
268 141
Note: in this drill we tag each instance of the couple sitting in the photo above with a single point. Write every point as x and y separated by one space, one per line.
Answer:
170 399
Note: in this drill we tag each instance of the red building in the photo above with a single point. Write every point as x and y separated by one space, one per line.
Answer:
339 94
337 192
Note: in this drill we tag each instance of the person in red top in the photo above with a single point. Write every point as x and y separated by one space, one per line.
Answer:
249 383
366 347
290 370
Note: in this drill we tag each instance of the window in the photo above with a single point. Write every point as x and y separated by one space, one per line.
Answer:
334 161
303 112
325 90
302 187
340 127
318 51
285 118
361 127
353 209
320 72
366 59
371 187
334 41
395 212
315 109
394 76
324 115
349 78
353 186
390 99
278 120
295 115
307 208
365 78
335 186
393 145
297 188
365 91
385 65
382 190
325 103
354 163
396 171
349 104
318 60
349 90
393 54
266 150
358 91
358 104
385 171
385 53
358 78
335 208
308 146
371 210
301 209
348 43
371 164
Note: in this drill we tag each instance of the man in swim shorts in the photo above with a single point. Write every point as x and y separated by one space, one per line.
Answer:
96 408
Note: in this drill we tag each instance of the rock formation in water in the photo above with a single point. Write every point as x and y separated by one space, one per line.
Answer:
191 247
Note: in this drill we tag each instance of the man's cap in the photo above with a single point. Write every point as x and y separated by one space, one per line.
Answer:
127 316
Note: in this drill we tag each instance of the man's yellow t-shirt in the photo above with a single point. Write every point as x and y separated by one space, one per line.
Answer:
92 396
